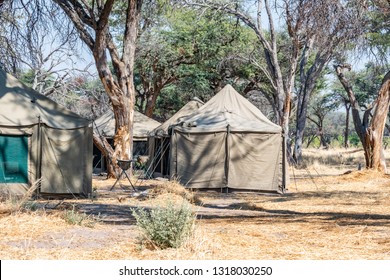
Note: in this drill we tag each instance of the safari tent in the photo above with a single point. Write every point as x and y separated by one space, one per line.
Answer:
228 144
41 139
105 127
159 139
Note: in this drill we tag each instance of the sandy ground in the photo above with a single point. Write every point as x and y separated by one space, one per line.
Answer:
325 214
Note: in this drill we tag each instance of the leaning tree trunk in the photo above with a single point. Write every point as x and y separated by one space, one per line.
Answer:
346 132
303 103
323 143
102 144
374 134
370 135
357 121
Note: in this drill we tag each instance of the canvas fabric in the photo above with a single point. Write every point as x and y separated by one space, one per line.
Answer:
22 106
199 160
245 161
228 142
188 109
66 161
228 107
159 150
31 133
59 141
254 161
141 127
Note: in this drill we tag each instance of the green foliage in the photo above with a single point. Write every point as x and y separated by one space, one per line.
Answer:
166 227
378 33
183 53
73 217
27 77
354 140
365 84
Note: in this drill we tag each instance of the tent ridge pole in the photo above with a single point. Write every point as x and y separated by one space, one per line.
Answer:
39 155
227 157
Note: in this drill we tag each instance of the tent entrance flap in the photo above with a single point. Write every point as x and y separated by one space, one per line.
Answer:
13 159
194 167
254 161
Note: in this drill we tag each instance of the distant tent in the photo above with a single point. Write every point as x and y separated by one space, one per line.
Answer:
105 127
41 139
159 139
228 143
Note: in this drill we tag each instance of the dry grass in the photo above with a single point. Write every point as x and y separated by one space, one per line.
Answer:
12 204
326 214
172 190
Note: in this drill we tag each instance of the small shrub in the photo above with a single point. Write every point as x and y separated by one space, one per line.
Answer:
166 227
75 218
30 205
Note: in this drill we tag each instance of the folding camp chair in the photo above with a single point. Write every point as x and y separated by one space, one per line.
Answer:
124 165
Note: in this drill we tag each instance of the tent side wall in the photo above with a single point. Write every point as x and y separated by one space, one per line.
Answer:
199 160
237 160
88 158
66 161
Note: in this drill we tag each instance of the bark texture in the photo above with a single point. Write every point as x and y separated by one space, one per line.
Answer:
92 20
369 129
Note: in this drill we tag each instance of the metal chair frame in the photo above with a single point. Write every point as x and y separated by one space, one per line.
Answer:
124 165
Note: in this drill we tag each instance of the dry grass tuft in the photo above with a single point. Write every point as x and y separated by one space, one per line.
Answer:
13 203
173 190
363 175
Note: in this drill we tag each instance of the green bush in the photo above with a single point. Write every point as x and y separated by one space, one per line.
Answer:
166 227
354 140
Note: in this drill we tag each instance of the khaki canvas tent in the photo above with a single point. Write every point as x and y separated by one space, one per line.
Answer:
41 139
105 127
159 139
229 144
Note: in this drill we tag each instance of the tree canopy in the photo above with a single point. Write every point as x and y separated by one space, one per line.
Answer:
155 55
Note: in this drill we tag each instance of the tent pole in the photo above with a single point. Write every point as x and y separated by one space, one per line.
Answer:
39 154
169 149
227 157
283 162
162 157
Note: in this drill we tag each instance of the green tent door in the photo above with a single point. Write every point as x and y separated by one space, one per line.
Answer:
13 159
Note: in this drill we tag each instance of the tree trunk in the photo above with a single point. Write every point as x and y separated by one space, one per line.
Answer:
374 135
310 140
346 132
308 79
151 103
91 19
303 101
371 135
323 143
102 144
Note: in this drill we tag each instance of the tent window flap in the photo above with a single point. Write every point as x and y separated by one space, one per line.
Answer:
13 159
